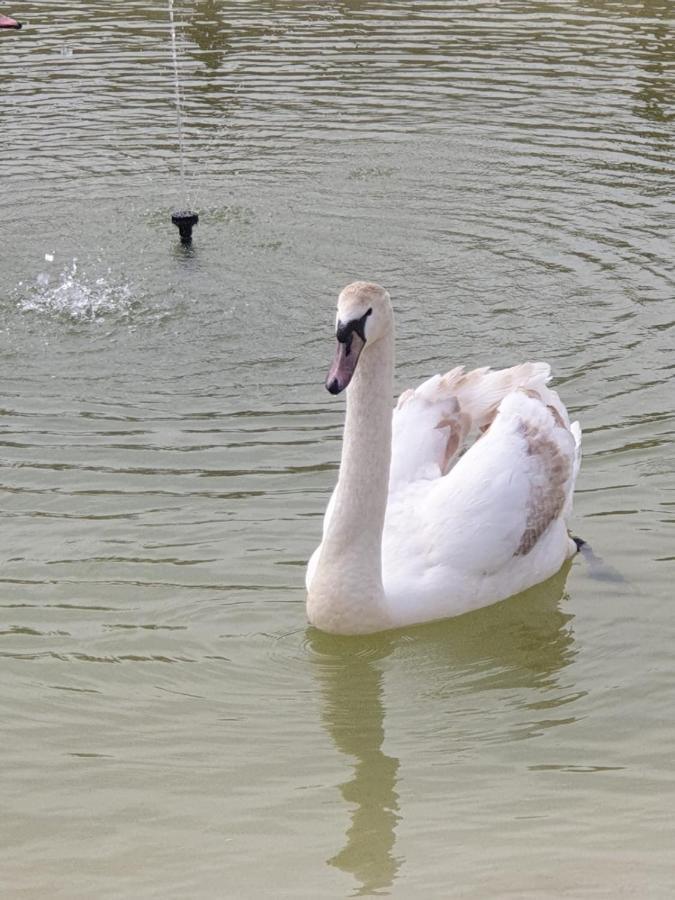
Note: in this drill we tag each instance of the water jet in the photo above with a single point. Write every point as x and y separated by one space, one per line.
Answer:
184 219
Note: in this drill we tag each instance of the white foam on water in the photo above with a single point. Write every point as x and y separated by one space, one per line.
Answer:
76 296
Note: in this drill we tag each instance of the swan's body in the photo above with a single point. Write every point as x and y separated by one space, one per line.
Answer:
416 530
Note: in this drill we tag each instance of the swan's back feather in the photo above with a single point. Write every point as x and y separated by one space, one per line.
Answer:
432 424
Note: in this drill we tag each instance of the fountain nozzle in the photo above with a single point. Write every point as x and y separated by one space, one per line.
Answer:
185 220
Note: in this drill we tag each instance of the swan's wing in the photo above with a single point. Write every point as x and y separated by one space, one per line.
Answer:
432 423
506 493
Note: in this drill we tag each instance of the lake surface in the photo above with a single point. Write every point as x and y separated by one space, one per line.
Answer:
171 727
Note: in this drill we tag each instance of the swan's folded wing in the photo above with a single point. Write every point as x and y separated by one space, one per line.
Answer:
432 423
508 491
428 431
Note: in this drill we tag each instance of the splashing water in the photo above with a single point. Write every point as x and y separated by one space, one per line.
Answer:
75 296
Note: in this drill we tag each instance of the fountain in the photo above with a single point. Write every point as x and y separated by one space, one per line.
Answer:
184 219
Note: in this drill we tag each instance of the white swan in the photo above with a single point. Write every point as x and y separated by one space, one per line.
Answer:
415 530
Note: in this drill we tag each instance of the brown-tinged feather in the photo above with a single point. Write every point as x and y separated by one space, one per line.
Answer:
547 498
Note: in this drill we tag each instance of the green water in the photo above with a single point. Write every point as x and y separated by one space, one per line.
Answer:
170 726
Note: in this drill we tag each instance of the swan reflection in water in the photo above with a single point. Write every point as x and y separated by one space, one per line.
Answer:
521 643
353 714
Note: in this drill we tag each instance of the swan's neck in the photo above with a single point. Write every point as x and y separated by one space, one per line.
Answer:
346 593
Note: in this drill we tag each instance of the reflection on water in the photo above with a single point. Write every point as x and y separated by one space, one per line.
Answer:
207 28
353 714
524 642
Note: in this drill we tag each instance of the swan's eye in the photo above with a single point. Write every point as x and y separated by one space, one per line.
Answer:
344 331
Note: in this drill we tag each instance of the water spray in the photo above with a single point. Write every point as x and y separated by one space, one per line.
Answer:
184 219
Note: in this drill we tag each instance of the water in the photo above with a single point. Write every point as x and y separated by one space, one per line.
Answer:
171 727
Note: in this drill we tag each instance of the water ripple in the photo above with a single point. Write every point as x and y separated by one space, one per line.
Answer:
167 448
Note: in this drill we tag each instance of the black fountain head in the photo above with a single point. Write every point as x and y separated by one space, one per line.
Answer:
185 220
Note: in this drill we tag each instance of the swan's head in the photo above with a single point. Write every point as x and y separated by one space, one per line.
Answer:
364 315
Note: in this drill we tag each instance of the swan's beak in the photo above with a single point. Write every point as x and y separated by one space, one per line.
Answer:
346 357
6 22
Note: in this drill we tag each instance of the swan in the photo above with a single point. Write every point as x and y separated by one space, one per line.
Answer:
418 527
